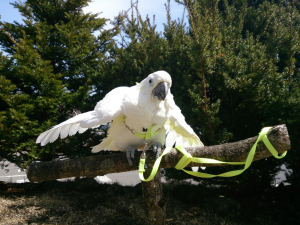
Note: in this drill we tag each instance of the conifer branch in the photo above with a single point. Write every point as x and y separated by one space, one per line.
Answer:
11 38
290 59
279 16
202 71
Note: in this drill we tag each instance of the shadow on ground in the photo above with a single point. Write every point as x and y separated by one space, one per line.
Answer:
85 201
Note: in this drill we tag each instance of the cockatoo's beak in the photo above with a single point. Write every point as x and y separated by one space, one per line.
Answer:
161 90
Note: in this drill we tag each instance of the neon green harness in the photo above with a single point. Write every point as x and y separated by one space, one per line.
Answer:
187 158
146 135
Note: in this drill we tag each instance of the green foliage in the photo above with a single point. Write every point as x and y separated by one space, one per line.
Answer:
235 68
47 75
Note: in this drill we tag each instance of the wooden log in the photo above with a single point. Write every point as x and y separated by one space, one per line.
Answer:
154 200
116 162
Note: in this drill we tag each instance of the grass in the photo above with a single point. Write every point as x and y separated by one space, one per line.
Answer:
86 202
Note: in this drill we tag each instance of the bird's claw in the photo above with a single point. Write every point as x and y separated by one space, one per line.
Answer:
157 148
130 151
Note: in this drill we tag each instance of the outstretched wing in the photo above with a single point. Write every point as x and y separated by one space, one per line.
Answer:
106 110
179 131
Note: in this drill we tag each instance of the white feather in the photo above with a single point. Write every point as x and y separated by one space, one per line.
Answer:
106 144
186 143
177 122
45 139
91 121
73 129
54 135
64 131
111 107
194 144
171 138
131 110
41 136
179 141
81 130
190 142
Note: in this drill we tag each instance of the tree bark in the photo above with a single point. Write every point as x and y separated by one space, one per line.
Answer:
154 199
99 165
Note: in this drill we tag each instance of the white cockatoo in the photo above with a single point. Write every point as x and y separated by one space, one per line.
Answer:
134 111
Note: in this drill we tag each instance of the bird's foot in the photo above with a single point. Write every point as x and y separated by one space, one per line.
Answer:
130 151
157 148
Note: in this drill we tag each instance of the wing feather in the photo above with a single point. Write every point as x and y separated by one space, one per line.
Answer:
41 136
105 111
81 130
179 141
177 124
45 137
73 129
54 135
65 131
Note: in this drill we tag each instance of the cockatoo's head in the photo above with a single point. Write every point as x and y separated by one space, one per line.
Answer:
158 84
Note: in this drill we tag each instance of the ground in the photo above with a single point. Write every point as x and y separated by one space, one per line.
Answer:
85 201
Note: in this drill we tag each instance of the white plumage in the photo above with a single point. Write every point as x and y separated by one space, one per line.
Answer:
132 109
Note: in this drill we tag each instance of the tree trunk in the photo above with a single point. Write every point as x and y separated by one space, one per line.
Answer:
100 165
154 200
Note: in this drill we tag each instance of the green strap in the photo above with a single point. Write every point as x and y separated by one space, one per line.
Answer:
155 166
187 158
147 135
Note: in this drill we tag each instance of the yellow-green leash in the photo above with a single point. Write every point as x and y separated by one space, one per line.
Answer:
187 158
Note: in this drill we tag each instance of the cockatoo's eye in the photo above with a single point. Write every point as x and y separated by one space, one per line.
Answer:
151 82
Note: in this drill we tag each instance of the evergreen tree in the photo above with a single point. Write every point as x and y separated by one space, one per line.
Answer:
235 69
47 74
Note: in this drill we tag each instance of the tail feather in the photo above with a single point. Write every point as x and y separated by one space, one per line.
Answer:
102 145
107 144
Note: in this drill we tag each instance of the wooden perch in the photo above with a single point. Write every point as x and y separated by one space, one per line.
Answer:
116 162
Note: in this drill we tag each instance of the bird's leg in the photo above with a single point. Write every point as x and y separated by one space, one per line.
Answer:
143 155
157 148
130 154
